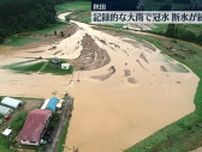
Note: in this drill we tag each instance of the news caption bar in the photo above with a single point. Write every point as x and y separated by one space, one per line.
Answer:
146 17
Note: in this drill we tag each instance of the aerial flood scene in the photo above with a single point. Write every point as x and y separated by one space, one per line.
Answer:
68 85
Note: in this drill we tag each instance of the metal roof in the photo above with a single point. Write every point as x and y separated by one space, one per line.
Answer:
7 132
14 103
45 104
5 110
53 103
34 125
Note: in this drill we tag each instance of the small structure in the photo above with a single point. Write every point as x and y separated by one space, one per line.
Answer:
7 132
56 61
65 66
35 126
10 102
52 104
5 111
60 104
44 106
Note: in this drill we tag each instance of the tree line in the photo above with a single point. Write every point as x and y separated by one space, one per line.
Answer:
181 32
23 15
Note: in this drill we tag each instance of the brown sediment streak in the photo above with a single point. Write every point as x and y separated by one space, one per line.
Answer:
138 61
92 56
103 77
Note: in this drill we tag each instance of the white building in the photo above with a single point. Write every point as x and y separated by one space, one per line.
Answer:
45 104
7 132
65 66
10 102
5 111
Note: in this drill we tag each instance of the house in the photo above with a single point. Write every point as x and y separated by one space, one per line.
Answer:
52 104
45 104
5 111
34 127
65 66
10 102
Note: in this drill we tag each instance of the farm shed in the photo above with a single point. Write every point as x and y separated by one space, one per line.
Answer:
34 127
52 104
7 132
10 102
45 104
5 111
65 66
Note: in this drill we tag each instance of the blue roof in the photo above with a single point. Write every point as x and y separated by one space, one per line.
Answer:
52 103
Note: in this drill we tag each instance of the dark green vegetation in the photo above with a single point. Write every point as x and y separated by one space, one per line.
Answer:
171 4
73 6
188 32
23 15
16 124
34 26
35 36
39 66
81 10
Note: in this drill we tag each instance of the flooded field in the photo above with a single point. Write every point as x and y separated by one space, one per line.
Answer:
124 91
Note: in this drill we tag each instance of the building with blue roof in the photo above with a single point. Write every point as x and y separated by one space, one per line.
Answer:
52 104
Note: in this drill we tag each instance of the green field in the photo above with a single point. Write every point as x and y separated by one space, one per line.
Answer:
25 38
51 28
40 66
83 16
17 41
16 124
80 10
156 4
194 28
72 6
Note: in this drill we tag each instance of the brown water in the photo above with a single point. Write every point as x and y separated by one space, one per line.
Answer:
113 114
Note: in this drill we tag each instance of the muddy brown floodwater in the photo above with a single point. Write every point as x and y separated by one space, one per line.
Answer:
113 108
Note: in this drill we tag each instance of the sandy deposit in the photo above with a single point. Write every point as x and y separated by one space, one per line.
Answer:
113 113
134 102
197 150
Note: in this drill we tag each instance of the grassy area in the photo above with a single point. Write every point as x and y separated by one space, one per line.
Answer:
27 37
181 136
17 41
16 124
196 29
72 6
51 28
39 66
5 144
82 16
156 5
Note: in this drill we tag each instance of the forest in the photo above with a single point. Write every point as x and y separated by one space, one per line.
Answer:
22 15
